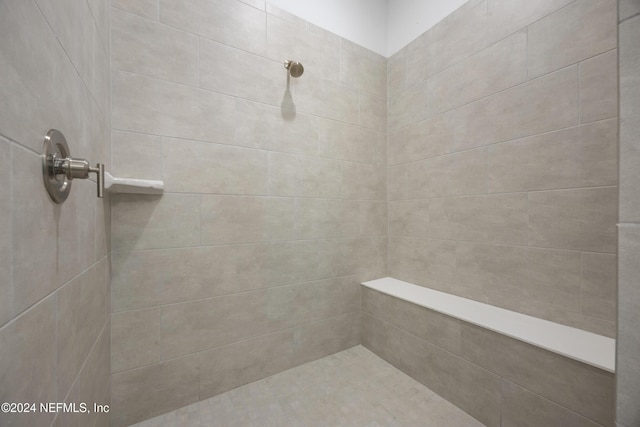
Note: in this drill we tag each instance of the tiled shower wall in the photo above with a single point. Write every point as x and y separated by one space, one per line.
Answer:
503 158
628 350
54 259
275 201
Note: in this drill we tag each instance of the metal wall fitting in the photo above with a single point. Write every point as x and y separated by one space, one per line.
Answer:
59 169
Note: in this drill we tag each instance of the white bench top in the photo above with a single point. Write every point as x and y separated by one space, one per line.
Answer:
592 349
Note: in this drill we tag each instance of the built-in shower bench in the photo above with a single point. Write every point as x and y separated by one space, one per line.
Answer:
502 367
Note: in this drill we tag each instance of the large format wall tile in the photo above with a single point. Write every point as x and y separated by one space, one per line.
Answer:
142 393
143 104
135 339
584 156
6 284
28 362
231 366
148 222
197 325
538 106
146 8
583 29
506 17
454 174
424 139
629 53
456 37
201 167
583 219
363 69
136 155
491 70
153 49
599 285
235 72
628 340
599 87
156 277
231 22
490 219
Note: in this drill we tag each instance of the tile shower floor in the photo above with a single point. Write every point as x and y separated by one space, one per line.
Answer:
350 388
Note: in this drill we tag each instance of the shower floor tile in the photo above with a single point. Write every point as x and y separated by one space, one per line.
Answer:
351 388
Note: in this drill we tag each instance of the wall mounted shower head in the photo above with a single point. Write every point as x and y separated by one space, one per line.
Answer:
295 68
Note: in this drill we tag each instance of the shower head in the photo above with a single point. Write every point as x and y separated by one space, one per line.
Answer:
295 68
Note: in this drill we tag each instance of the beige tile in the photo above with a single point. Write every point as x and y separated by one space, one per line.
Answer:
290 306
424 262
506 17
574 219
599 285
146 47
491 70
456 37
627 9
512 277
28 362
197 325
232 219
365 182
6 284
74 27
221 169
34 240
396 72
265 126
409 218
584 156
428 138
91 386
136 155
583 29
433 327
286 173
489 219
170 109
397 182
146 8
143 393
291 262
154 277
326 337
599 87
373 218
541 105
409 106
576 386
42 86
373 111
82 312
467 386
629 54
343 141
318 50
326 98
521 407
344 257
135 339
628 342
363 69
151 222
336 296
230 22
219 71
324 218
279 218
454 174
230 366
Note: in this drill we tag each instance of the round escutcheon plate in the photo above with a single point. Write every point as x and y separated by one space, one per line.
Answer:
55 150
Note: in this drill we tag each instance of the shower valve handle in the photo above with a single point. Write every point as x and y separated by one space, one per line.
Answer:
79 169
